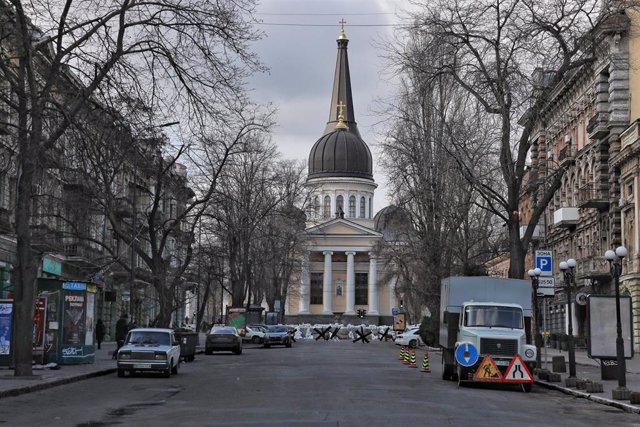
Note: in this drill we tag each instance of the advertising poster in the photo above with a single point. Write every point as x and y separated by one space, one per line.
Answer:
74 318
237 318
399 322
6 317
39 319
88 336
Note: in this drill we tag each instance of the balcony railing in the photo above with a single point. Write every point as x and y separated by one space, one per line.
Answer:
592 267
566 155
590 196
597 126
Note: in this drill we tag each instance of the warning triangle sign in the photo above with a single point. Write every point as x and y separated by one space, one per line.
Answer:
517 372
488 371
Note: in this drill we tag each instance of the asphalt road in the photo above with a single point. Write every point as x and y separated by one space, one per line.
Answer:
312 384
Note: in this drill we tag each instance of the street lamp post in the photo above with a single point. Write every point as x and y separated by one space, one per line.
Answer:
615 268
567 268
534 273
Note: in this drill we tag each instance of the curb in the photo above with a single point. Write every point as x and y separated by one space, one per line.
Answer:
54 383
604 401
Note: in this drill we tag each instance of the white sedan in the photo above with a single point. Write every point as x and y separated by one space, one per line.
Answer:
410 337
253 335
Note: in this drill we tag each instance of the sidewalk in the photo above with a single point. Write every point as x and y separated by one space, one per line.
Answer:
11 385
589 369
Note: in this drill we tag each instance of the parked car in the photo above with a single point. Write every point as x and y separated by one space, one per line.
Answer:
149 349
254 334
223 338
277 335
410 338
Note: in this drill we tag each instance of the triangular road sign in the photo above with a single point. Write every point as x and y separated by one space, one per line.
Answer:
488 371
517 372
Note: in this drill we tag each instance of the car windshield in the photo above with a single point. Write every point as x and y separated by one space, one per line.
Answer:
227 331
148 338
278 329
493 316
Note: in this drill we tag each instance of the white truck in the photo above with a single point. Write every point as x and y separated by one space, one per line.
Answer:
492 314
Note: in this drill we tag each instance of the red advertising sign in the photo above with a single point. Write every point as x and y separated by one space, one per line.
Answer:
39 319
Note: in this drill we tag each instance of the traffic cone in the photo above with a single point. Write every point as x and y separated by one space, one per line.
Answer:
413 359
407 357
401 353
425 363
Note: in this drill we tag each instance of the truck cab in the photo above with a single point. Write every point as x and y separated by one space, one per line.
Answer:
497 330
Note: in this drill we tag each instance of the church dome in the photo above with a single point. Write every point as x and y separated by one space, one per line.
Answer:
340 153
393 222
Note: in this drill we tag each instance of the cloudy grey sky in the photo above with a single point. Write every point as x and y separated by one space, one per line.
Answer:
302 60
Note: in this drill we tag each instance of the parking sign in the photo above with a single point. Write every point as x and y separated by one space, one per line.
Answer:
544 262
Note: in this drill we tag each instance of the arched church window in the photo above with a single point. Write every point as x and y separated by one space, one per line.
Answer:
363 207
327 207
370 208
316 207
340 206
352 206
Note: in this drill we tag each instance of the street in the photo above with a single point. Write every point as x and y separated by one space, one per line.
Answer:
313 383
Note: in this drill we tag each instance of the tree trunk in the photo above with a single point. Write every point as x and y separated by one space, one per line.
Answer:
516 254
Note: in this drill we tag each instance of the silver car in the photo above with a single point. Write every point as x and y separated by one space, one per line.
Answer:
149 349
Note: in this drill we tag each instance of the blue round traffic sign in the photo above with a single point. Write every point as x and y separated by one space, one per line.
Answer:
466 354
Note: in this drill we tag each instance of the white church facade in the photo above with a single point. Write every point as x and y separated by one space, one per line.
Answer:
341 273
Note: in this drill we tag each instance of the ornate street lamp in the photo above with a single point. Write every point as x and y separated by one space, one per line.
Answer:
534 273
567 267
615 268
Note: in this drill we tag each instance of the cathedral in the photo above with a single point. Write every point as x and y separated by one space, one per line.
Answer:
341 276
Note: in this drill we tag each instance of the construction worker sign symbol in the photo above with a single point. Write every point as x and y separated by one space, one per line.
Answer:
517 372
488 371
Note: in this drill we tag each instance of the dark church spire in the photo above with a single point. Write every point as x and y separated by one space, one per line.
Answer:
342 89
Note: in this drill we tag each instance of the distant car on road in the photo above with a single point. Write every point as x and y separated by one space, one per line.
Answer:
149 349
223 338
410 337
254 334
277 335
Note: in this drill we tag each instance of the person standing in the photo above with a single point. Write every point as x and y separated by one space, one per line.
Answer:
100 332
122 327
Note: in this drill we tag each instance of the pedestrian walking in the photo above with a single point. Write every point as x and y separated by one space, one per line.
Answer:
100 332
122 327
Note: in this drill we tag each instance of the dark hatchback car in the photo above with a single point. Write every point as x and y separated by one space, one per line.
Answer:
223 338
277 335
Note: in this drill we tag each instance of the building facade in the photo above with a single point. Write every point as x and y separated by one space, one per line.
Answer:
340 273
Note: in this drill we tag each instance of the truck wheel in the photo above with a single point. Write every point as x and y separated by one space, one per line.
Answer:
462 374
413 344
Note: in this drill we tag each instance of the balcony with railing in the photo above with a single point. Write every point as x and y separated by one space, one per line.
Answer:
597 125
592 267
592 196
566 217
567 155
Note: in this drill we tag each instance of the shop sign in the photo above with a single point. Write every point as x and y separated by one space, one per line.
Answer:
51 266
74 286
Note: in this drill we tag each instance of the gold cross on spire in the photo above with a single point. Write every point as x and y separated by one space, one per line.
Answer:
342 35
341 124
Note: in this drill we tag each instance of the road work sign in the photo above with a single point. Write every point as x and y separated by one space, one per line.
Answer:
517 372
466 354
488 371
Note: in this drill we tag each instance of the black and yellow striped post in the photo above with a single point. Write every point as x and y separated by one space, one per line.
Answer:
425 363
407 357
401 353
413 359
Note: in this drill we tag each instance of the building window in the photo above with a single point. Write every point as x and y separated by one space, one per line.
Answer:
315 291
352 206
362 288
363 207
316 207
339 206
327 207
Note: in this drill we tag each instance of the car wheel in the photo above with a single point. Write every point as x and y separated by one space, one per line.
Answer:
255 339
120 372
238 350
413 344
174 370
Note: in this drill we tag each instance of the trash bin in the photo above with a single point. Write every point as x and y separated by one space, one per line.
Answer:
188 342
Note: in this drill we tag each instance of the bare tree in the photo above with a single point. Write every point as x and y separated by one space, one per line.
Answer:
178 59
490 49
